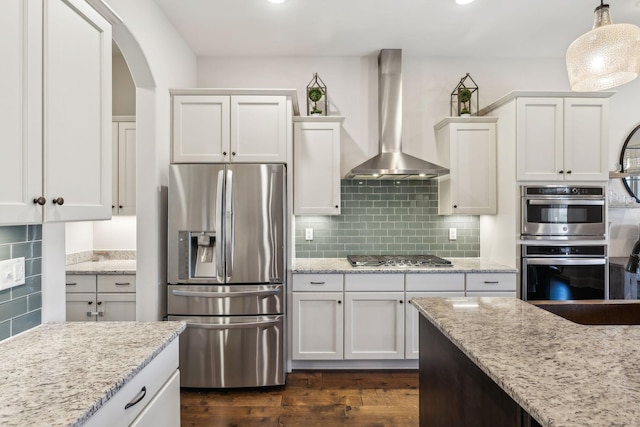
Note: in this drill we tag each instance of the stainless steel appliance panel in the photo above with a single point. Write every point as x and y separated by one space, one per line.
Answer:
254 223
240 351
213 300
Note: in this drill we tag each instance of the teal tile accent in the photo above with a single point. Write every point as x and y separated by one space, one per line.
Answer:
21 306
378 217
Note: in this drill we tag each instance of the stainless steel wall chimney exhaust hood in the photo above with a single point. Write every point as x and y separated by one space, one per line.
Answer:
391 162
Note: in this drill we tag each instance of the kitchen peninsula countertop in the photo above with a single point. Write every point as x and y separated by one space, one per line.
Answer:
59 374
341 265
560 372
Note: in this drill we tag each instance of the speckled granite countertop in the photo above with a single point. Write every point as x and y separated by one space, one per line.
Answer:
109 266
341 265
60 374
562 373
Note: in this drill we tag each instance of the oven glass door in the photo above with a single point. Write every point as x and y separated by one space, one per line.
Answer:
563 278
563 217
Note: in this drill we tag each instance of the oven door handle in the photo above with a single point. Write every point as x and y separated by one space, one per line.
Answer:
565 261
565 202
269 292
249 325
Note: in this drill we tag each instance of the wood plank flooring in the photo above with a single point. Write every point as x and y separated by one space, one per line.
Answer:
310 399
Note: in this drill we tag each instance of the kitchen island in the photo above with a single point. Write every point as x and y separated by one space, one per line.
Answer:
69 374
512 362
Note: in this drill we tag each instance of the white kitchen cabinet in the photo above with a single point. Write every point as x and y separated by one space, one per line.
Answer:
467 146
316 173
210 128
124 166
491 284
562 139
426 286
317 317
151 398
93 297
55 109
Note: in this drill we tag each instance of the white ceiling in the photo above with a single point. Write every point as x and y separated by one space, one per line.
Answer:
485 28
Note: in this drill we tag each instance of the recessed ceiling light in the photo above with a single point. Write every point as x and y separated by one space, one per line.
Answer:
464 1
280 1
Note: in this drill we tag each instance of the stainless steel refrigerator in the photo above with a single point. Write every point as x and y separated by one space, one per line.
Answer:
226 272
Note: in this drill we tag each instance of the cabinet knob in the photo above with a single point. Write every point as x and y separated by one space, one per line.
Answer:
561 171
339 302
337 206
120 206
99 303
455 206
90 302
40 200
233 153
401 302
58 201
224 153
568 171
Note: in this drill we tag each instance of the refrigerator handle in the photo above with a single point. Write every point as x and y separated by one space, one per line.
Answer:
229 225
218 224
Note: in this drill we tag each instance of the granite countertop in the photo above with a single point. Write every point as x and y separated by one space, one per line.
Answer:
107 266
59 374
560 372
341 265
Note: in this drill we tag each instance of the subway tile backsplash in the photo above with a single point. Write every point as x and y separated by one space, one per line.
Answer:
21 306
388 217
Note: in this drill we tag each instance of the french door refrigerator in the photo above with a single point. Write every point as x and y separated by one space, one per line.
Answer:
226 270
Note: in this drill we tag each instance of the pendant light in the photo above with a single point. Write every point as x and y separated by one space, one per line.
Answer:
605 57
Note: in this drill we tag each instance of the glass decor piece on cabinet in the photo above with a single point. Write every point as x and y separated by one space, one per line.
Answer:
630 163
317 104
463 96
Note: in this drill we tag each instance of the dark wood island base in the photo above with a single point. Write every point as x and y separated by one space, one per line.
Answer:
455 392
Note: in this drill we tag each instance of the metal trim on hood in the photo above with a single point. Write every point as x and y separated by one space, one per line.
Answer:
391 162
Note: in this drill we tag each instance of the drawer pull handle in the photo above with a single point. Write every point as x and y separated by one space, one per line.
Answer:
122 283
137 398
93 313
492 282
72 284
317 283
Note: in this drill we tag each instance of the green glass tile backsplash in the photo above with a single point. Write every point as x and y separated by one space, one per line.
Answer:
388 217
21 306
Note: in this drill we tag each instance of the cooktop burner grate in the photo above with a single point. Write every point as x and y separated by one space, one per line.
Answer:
397 261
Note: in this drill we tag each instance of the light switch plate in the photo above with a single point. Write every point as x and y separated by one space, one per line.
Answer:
308 233
453 234
11 273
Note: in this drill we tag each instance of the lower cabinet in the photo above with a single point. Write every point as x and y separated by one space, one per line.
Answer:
151 398
93 297
318 325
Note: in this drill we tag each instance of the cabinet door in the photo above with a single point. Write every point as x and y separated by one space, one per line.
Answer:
539 136
316 173
374 325
200 129
81 307
412 318
77 112
317 326
116 307
259 128
473 168
114 168
20 111
586 139
164 408
126 168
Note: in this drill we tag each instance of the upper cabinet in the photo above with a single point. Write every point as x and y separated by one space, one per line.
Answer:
467 146
316 173
55 112
124 166
210 126
562 139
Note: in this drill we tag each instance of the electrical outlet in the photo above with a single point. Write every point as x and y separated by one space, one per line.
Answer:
308 234
11 273
453 234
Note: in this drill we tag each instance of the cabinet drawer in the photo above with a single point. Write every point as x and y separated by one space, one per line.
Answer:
144 386
491 282
317 282
435 282
81 283
117 283
374 282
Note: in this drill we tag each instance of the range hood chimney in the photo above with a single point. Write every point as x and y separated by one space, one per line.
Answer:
391 162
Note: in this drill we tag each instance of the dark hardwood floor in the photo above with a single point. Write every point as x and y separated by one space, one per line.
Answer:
309 399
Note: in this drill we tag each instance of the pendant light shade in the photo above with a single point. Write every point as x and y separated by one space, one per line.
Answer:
605 57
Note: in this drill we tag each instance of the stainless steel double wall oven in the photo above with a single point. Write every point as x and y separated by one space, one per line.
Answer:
563 254
226 272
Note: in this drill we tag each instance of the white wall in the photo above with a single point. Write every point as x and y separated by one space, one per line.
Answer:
123 89
427 86
78 237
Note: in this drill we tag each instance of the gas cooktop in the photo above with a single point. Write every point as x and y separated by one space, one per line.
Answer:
397 261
